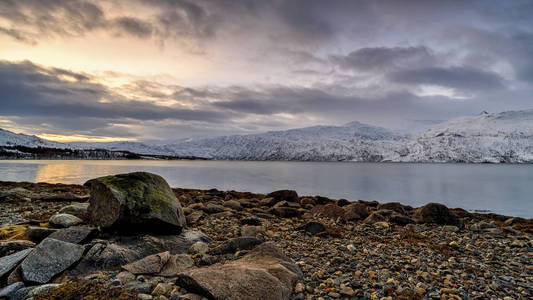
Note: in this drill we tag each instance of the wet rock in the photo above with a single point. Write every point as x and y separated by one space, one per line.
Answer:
235 244
75 235
152 264
8 263
284 195
264 273
12 246
138 201
48 259
9 290
436 213
37 234
77 209
64 220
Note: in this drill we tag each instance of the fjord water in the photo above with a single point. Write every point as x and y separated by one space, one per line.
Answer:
505 189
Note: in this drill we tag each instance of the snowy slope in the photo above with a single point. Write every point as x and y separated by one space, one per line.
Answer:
8 138
501 137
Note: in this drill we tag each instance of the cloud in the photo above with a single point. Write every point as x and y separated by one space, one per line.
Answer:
384 58
453 77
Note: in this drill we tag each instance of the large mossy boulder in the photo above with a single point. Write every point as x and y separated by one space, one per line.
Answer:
134 202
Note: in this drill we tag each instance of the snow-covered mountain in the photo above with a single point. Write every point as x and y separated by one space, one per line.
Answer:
8 138
501 137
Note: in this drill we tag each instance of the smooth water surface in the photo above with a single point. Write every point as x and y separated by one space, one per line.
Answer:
504 189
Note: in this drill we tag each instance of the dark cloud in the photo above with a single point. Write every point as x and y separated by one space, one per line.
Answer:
384 58
134 26
454 77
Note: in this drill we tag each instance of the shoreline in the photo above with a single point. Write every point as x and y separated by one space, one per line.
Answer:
345 250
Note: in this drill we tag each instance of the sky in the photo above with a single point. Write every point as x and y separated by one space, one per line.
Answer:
162 70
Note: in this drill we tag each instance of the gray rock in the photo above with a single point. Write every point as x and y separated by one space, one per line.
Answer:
64 220
15 193
314 228
138 201
102 256
139 287
37 234
11 246
284 212
77 209
8 263
235 244
75 235
9 290
22 293
151 264
48 259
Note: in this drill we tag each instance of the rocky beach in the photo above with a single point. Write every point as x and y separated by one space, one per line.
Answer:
131 236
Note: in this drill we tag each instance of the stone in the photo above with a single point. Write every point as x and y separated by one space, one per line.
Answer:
284 212
64 220
48 259
75 235
145 297
9 290
253 231
329 210
37 234
212 208
11 246
355 212
400 219
8 263
152 264
394 206
190 296
264 273
102 256
234 244
77 209
233 204
160 289
134 202
287 195
194 217
314 228
436 213
17 193
63 196
176 264
199 248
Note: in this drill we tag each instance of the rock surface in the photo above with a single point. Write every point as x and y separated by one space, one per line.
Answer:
64 220
48 259
8 263
75 235
436 213
264 273
134 202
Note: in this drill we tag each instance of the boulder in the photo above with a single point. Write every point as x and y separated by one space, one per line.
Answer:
329 210
37 234
264 273
8 263
77 209
355 212
151 264
102 256
232 245
134 202
436 213
233 204
394 206
287 195
64 220
11 246
48 259
176 264
75 235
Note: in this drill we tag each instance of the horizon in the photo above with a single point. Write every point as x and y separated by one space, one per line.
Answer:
166 70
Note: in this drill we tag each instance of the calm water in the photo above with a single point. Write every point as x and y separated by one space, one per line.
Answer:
505 189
